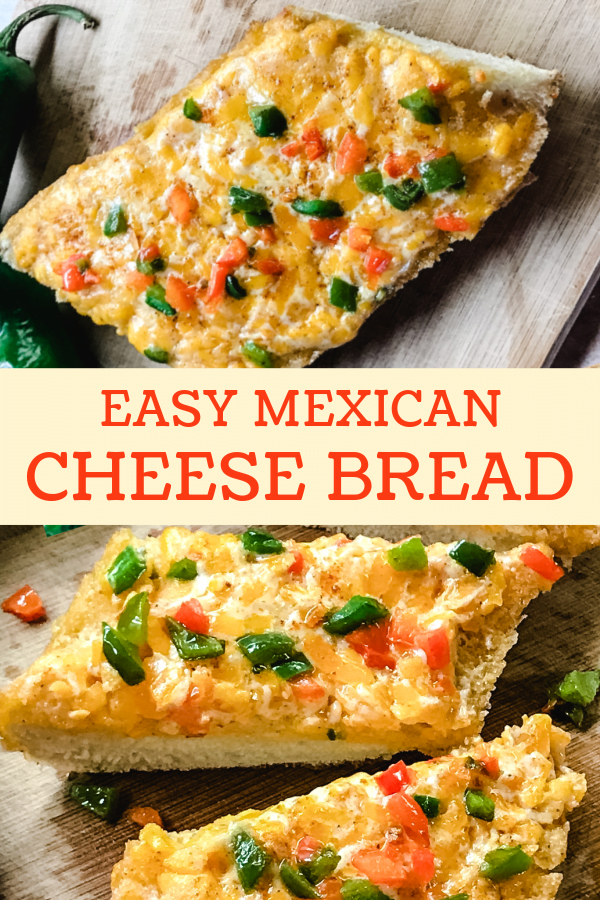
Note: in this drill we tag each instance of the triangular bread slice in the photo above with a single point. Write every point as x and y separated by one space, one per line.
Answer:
338 85
418 677
497 826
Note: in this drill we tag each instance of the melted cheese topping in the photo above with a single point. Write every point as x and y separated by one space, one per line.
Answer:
336 75
73 687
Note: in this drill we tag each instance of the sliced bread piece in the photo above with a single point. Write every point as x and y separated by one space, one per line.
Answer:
490 825
199 650
239 198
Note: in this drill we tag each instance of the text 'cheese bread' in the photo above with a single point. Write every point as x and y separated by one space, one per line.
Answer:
263 214
481 827
194 649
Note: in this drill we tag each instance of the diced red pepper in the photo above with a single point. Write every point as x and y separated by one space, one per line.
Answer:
182 204
377 260
403 628
326 231
438 87
352 155
266 234
372 642
423 865
25 604
298 565
144 815
306 848
436 645
490 765
306 688
395 778
451 223
216 284
235 255
270 266
359 238
76 273
313 142
398 164
147 254
138 281
180 294
191 614
406 811
292 149
379 868
541 564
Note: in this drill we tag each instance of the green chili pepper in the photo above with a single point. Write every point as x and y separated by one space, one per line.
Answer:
296 883
298 664
102 801
370 182
116 221
403 195
234 288
267 649
479 805
343 294
422 105
322 865
191 110
156 298
258 355
358 611
251 859
473 557
505 862
150 266
579 687
126 568
51 530
441 173
319 209
409 556
133 621
17 83
156 354
429 805
258 219
268 121
122 656
247 201
361 889
260 542
184 569
191 645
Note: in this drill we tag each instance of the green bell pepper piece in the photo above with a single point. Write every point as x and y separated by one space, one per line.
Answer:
133 621
296 883
429 805
267 121
234 288
322 865
343 294
361 889
457 897
191 110
251 859
474 558
409 556
298 664
479 805
370 182
125 569
422 105
150 266
441 173
258 355
122 656
116 221
318 209
183 569
358 611
156 298
258 219
267 649
102 801
261 542
156 354
247 201
404 194
505 862
191 645
51 530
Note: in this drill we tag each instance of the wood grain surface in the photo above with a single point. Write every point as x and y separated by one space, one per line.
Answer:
51 849
504 300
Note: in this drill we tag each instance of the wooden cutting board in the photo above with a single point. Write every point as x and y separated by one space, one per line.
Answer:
504 300
52 849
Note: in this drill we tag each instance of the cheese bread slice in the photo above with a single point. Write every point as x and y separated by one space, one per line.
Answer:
482 827
263 214
193 649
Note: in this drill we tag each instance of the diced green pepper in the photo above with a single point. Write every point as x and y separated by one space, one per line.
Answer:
102 801
331 734
184 569
122 656
505 862
191 645
267 649
133 621
457 897
116 221
251 859
441 173
479 805
258 355
150 266
261 542
370 182
409 556
404 194
579 687
361 889
234 288
296 883
429 805
156 298
126 569
156 354
358 611
343 294
268 121
247 201
258 219
191 110
298 664
51 530
322 865
422 105
471 763
318 209
473 557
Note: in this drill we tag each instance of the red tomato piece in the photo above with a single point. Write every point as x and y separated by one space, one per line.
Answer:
306 848
182 204
73 272
180 294
379 868
266 234
403 628
297 566
394 779
438 87
313 142
359 238
451 223
352 155
326 231
423 865
270 266
541 564
137 281
330 889
490 765
235 255
377 260
25 604
147 254
406 812
191 614
436 645
397 164
306 688
216 284
372 642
